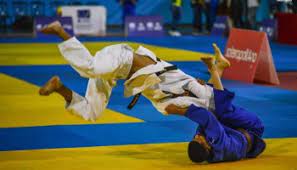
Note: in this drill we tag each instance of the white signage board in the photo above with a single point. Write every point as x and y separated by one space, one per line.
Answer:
87 20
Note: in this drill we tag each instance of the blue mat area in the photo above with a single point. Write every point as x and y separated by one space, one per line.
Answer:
285 56
276 107
94 135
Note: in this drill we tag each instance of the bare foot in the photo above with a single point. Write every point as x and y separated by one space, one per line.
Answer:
52 28
209 61
51 86
222 62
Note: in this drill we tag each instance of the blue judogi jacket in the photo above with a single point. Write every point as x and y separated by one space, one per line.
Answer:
227 143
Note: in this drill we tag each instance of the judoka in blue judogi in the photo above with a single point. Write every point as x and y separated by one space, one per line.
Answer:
226 132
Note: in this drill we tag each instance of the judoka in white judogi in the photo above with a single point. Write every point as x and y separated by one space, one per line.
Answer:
113 63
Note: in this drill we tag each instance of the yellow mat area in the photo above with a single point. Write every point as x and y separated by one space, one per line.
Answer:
22 106
281 154
48 53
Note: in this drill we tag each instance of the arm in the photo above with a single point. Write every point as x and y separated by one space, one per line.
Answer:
173 109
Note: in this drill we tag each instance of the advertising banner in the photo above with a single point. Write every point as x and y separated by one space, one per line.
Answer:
269 26
250 56
286 28
220 26
87 20
149 26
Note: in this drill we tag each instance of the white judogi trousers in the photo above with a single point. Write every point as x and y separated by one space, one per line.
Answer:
114 62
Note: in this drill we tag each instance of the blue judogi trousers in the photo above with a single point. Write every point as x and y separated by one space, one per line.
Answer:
219 128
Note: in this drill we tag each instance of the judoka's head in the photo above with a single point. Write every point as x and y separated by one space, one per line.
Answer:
198 149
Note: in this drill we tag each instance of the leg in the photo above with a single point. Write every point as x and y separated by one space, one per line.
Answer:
199 10
73 51
89 107
56 29
207 12
216 69
196 18
55 85
233 116
174 18
214 74
221 62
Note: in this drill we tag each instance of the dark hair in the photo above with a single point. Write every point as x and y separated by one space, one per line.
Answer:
197 153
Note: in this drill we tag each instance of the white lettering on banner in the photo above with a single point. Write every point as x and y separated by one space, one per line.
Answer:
141 26
67 26
219 25
241 55
158 26
39 27
132 25
145 26
150 25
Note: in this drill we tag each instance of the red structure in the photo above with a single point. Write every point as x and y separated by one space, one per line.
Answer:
250 56
287 28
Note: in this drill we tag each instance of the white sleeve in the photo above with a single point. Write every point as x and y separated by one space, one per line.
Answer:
199 90
95 101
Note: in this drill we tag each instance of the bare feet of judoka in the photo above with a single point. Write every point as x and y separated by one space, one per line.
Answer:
51 86
222 62
209 61
52 28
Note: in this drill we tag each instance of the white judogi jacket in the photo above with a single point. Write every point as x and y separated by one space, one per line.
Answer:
114 62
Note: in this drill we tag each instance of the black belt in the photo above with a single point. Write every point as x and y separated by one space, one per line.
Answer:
136 97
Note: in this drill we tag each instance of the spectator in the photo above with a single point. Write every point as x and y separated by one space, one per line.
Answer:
176 16
211 12
209 8
198 7
129 7
238 12
252 10
224 8
275 7
294 6
59 11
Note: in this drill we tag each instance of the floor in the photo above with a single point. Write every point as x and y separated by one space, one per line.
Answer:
37 133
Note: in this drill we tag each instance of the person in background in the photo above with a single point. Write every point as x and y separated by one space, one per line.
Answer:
176 16
211 12
224 8
276 6
59 11
198 7
238 12
294 6
209 8
129 7
252 10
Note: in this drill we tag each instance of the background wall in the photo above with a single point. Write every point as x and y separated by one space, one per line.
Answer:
12 8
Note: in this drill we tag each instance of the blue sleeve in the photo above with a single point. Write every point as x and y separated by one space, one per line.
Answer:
227 144
207 122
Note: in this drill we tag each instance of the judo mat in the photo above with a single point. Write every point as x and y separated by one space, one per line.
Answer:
37 133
